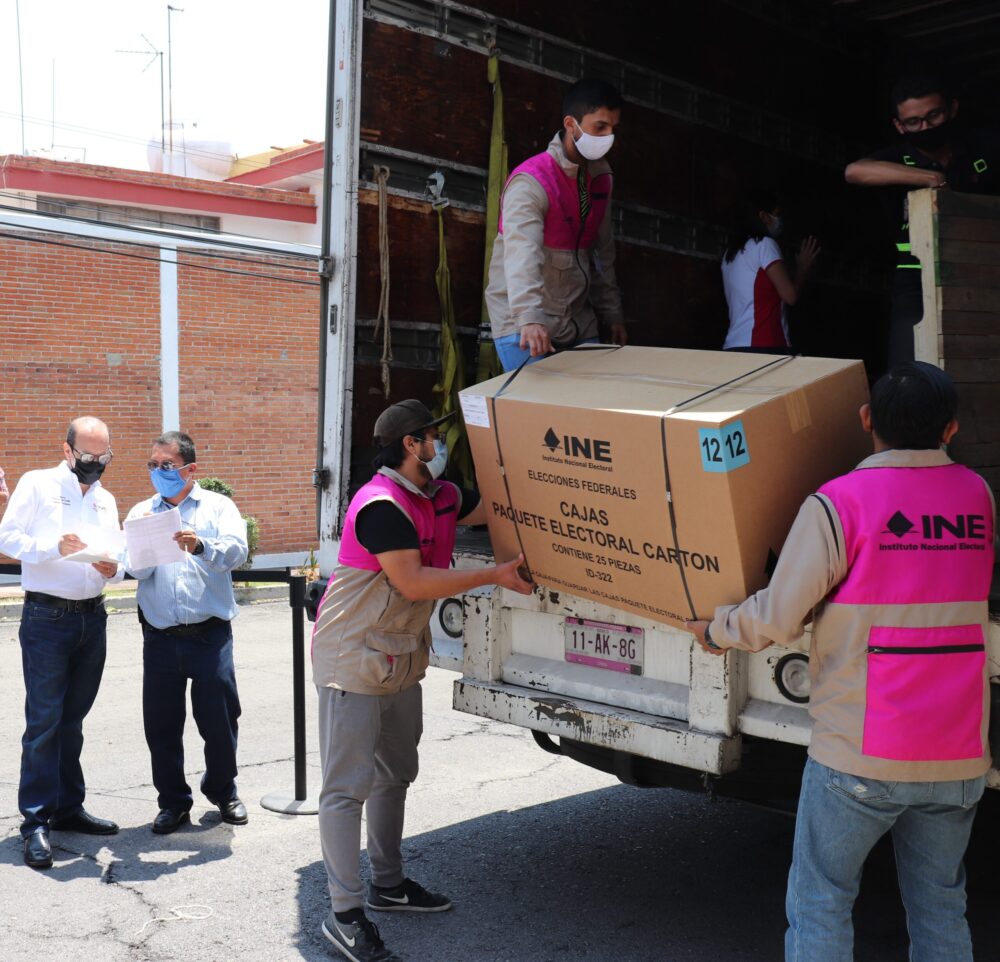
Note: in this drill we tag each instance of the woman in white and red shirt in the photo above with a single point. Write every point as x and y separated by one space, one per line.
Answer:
757 282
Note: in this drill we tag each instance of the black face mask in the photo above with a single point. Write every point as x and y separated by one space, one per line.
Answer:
932 138
88 473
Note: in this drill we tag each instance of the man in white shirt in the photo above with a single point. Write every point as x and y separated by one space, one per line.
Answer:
63 638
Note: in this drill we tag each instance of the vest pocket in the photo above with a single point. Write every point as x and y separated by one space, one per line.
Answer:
924 693
562 283
382 658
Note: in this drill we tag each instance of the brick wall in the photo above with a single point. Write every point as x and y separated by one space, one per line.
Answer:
80 334
248 375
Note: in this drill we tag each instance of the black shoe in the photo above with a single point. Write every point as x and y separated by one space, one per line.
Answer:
359 940
84 823
234 812
408 897
169 820
37 851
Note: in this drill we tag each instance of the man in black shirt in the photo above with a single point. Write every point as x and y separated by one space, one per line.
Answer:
381 526
370 649
933 152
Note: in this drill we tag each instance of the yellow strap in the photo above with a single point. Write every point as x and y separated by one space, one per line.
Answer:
489 364
452 371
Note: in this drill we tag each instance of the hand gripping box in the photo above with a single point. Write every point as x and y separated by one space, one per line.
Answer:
661 482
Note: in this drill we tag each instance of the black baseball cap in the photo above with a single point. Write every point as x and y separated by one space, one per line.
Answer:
403 419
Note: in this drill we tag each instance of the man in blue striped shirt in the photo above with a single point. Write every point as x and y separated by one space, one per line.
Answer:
185 608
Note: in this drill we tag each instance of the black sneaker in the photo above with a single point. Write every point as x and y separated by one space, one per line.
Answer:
408 897
359 940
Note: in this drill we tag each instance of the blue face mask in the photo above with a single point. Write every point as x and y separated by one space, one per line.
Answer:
168 484
436 466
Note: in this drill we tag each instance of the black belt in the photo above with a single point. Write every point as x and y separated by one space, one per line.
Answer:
185 631
67 604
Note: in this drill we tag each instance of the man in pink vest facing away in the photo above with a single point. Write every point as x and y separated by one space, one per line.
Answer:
371 647
892 565
552 274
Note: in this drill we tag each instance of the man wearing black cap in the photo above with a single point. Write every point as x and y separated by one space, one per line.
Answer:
371 648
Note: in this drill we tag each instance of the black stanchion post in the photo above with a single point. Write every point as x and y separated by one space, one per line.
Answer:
300 803
297 599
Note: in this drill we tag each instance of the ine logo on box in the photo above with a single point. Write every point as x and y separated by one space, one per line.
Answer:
590 449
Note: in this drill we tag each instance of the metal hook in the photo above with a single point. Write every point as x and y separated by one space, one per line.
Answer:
435 187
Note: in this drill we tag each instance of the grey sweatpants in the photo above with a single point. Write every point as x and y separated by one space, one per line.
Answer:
368 747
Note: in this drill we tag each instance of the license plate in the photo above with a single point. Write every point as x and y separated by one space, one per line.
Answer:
612 647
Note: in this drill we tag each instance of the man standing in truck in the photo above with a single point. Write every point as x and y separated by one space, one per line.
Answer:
552 275
934 151
892 563
370 650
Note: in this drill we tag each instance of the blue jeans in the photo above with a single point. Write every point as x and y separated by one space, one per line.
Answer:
168 661
512 355
62 657
840 818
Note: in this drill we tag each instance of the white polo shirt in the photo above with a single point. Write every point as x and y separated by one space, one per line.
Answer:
756 312
45 505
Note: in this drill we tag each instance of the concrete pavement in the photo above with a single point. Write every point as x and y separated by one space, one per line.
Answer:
545 860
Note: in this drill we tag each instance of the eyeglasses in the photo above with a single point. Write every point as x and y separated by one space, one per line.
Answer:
85 458
164 466
932 118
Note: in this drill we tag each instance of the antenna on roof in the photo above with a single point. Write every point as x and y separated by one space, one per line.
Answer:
170 71
157 54
20 71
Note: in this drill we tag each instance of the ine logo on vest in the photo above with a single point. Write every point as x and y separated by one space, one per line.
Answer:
937 532
580 452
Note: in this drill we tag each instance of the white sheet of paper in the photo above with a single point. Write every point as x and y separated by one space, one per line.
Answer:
103 544
474 410
150 539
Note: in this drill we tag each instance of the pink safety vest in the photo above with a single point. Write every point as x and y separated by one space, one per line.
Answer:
918 536
434 518
562 220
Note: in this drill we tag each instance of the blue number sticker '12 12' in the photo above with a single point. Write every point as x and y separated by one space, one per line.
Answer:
724 449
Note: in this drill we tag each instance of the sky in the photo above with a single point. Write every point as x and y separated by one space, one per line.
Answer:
246 72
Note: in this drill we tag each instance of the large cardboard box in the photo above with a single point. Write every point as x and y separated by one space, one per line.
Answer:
661 482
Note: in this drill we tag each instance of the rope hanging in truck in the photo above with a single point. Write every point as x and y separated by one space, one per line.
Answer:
382 318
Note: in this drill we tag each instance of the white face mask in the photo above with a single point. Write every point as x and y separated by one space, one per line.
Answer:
592 147
439 462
